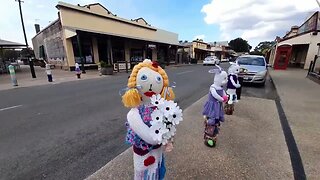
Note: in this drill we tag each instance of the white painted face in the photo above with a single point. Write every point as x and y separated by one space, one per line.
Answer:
234 69
150 82
221 79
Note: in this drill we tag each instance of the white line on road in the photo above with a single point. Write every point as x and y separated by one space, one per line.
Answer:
7 108
184 72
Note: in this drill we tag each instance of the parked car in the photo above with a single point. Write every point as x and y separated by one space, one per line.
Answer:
254 69
225 60
211 60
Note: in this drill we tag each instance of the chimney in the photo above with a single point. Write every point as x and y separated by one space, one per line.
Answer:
294 29
37 27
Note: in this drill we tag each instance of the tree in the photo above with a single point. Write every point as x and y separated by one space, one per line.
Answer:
264 46
240 45
256 53
9 55
27 52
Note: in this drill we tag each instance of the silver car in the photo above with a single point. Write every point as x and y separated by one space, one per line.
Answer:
211 60
253 69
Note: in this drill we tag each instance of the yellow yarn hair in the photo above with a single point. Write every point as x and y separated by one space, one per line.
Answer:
170 94
132 98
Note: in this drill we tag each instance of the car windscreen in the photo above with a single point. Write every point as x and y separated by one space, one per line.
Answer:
254 61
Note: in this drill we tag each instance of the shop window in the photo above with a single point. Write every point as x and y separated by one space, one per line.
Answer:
161 55
136 55
103 50
87 50
118 55
42 53
149 53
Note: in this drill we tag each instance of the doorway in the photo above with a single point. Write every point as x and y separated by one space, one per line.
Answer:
298 55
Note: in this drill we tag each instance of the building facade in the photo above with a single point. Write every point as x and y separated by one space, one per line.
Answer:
90 34
222 50
299 46
199 50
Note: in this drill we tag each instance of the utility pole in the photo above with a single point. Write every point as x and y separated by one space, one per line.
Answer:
318 3
25 38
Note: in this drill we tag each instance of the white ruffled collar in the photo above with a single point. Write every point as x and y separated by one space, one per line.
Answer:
216 87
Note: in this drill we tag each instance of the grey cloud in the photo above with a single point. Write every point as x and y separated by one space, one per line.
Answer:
282 24
243 22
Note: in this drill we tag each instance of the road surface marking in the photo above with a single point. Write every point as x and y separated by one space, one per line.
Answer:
184 72
7 108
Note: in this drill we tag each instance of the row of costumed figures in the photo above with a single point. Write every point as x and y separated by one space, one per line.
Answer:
214 108
153 116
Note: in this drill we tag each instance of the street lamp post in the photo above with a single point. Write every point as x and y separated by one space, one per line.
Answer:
80 53
25 38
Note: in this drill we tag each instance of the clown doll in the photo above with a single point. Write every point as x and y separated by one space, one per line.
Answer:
233 84
213 108
151 120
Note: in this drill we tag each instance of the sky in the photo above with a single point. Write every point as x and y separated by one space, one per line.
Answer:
210 20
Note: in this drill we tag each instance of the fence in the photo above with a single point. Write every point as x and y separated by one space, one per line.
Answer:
314 67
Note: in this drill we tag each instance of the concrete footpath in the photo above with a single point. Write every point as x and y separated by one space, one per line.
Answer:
25 79
251 145
300 99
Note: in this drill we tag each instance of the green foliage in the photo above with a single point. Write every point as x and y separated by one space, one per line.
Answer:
10 54
27 52
105 65
264 47
240 45
256 53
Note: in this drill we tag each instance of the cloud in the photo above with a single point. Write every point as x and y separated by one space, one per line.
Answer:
256 20
202 36
34 11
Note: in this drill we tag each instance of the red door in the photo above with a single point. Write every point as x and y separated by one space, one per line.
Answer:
282 57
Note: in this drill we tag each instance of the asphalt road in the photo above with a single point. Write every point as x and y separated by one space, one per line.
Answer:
70 130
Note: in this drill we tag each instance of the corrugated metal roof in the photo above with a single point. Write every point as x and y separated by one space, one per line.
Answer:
5 43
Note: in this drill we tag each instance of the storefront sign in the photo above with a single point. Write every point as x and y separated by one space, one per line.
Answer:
152 46
122 66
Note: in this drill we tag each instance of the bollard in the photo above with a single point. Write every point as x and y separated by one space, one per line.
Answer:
49 73
78 72
13 75
99 69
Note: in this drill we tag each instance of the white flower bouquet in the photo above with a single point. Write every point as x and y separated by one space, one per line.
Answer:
166 116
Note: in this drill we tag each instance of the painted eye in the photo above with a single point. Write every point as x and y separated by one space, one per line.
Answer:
158 79
144 77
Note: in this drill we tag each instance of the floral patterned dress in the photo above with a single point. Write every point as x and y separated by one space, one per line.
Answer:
148 159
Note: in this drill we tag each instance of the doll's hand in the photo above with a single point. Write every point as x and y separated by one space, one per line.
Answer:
168 147
225 98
